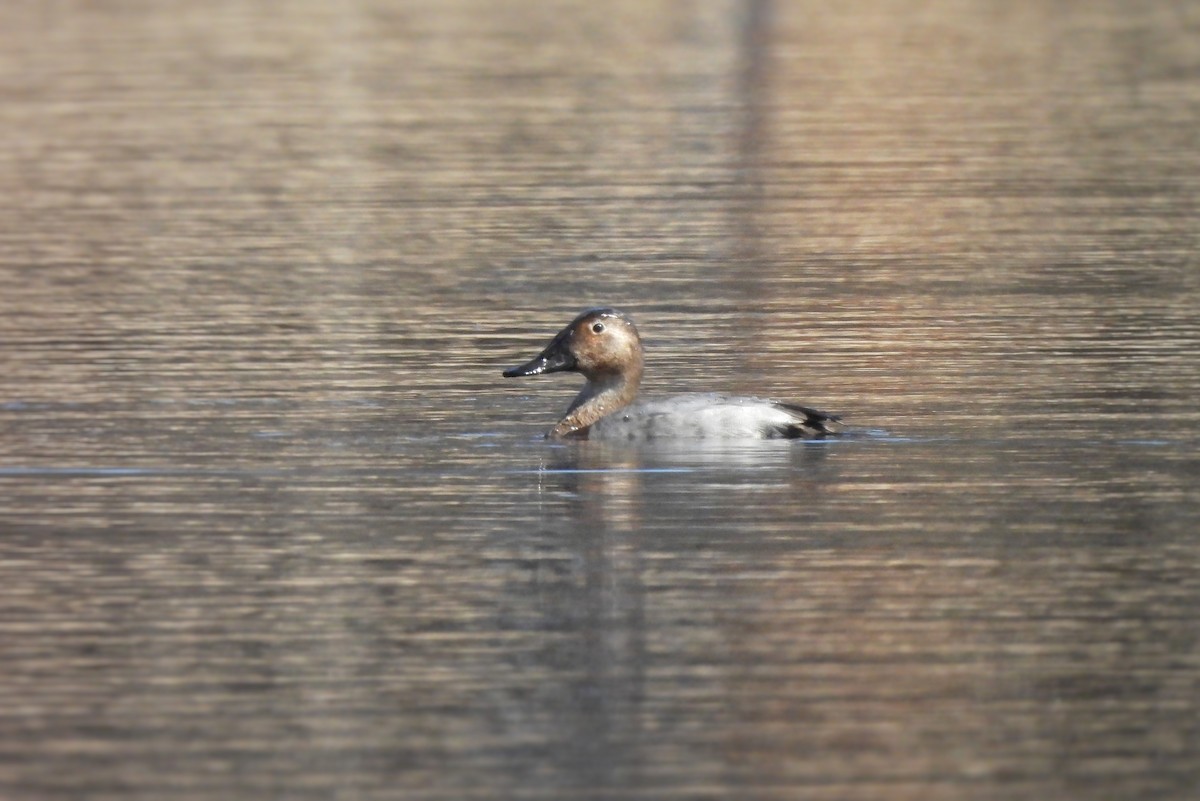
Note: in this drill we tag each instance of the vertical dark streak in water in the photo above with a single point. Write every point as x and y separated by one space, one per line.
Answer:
751 103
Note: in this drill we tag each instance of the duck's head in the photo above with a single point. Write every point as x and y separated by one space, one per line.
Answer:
602 344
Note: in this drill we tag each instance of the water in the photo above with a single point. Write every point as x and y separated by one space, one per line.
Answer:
274 525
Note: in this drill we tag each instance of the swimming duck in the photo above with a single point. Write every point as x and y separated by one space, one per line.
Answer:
603 344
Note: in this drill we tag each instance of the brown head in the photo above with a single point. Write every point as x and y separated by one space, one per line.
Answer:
602 344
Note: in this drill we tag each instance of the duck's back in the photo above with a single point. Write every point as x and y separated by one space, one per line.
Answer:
705 416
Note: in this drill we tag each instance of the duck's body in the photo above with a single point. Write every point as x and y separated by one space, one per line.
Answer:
603 345
711 416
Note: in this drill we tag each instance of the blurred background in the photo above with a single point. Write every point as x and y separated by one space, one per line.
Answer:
272 524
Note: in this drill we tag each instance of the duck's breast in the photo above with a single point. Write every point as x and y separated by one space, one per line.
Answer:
697 417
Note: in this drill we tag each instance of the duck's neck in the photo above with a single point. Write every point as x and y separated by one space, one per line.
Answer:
599 398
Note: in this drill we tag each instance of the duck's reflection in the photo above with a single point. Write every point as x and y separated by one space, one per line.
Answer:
636 518
627 488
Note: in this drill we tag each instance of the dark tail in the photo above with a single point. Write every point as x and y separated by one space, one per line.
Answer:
810 423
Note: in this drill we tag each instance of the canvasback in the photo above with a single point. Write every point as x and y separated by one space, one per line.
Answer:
603 344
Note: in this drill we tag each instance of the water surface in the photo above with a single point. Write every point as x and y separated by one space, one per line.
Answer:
274 525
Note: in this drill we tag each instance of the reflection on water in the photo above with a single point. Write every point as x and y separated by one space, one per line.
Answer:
273 525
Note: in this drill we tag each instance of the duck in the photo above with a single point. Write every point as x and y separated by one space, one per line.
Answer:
604 346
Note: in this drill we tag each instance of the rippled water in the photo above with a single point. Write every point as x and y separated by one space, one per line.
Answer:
274 525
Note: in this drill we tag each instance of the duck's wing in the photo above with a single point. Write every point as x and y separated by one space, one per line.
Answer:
807 422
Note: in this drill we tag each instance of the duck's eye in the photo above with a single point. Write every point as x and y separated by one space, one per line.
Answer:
597 328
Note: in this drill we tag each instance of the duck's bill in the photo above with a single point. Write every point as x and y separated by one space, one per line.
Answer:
551 360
